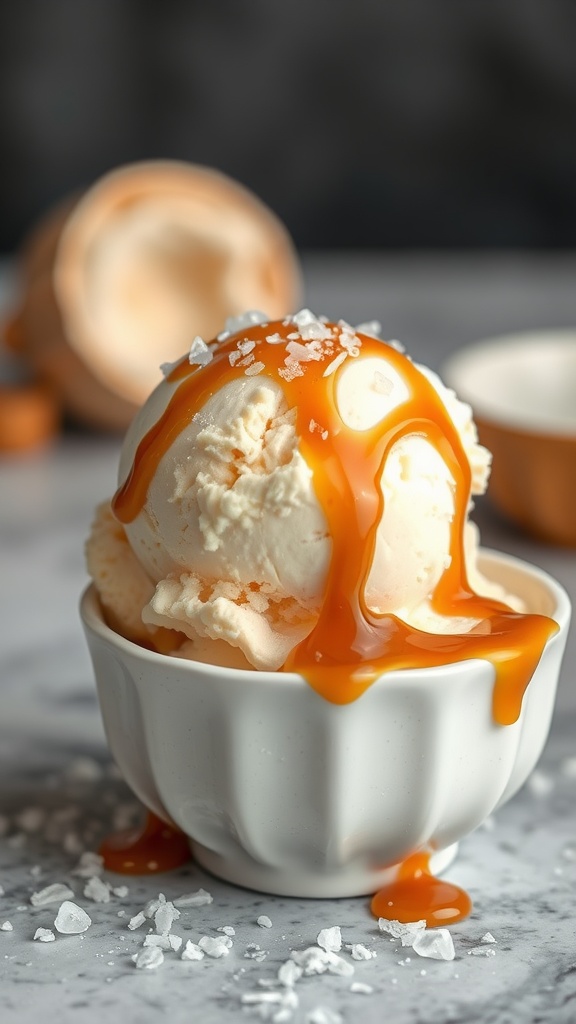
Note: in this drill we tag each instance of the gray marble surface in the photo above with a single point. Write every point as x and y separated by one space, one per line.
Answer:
59 793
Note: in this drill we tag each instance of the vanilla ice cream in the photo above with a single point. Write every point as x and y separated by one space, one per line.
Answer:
221 544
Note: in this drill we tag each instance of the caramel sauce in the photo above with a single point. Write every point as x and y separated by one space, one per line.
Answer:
351 645
154 847
417 895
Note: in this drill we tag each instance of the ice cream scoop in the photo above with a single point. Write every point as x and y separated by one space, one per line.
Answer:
299 490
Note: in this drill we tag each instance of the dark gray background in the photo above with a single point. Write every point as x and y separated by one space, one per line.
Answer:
391 123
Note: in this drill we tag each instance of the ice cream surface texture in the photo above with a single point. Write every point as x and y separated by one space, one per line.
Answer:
295 495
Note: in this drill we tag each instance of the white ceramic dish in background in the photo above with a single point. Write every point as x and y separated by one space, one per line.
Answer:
522 389
281 791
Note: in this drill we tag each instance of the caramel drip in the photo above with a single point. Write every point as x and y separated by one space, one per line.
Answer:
350 645
152 848
417 895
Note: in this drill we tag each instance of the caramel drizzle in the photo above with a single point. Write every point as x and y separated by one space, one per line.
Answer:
351 646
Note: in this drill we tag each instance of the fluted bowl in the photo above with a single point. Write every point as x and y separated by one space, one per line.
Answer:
281 791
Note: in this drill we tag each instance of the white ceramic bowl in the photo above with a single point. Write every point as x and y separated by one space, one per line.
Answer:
281 791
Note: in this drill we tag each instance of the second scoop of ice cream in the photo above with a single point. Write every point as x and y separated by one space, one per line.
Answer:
230 543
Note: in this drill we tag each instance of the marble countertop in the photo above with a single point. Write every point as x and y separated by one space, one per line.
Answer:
60 794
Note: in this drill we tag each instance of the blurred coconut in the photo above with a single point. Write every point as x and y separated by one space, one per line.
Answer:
122 279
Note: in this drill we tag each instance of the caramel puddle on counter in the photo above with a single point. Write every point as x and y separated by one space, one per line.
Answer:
153 847
417 895
352 645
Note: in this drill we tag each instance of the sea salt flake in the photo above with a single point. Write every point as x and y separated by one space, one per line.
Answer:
120 890
323 1015
167 368
481 951
373 328
264 921
136 921
251 318
227 929
315 960
161 941
175 941
407 933
488 937
200 353
233 357
7 926
215 946
289 972
44 935
290 371
165 916
435 943
51 894
254 952
71 919
97 890
275 339
153 905
149 958
360 952
246 346
254 369
330 939
192 951
397 345
361 988
90 864
200 898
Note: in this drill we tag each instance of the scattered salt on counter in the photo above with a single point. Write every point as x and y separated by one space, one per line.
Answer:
200 898
407 933
31 819
149 958
51 894
90 864
165 916
481 951
488 937
71 919
435 943
361 987
192 951
264 921
136 921
359 951
227 929
215 946
97 890
330 939
44 935
7 926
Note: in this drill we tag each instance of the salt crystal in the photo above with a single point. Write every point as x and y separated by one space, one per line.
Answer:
481 951
254 369
6 927
264 921
175 942
488 937
361 952
44 935
137 921
407 933
254 952
435 943
120 890
330 939
71 919
31 819
192 952
35 871
215 946
304 317
90 864
275 339
233 357
200 898
290 371
161 941
323 1015
227 929
373 328
289 972
51 894
72 844
315 960
395 344
200 354
246 346
97 890
166 368
149 958
251 318
361 988
539 784
165 916
153 905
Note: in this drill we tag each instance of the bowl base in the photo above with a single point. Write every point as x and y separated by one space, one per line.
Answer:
245 872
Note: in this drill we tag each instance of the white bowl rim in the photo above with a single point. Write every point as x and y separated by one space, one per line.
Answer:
92 618
498 352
